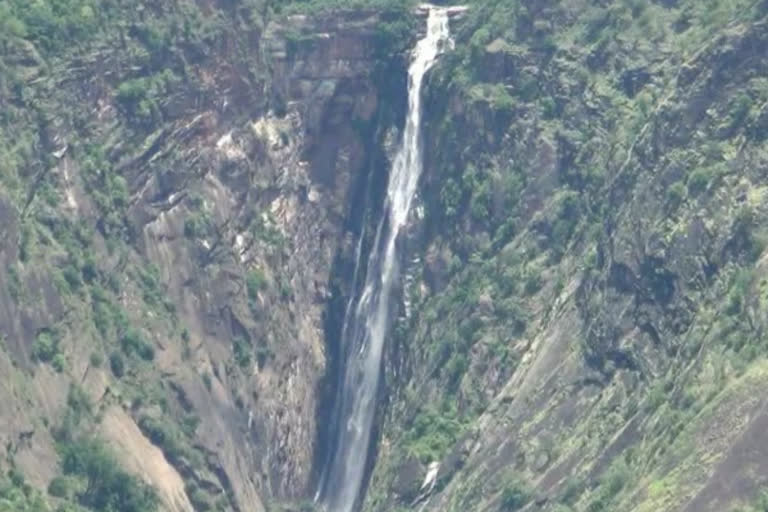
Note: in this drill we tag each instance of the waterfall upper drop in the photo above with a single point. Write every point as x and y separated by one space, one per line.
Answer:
367 315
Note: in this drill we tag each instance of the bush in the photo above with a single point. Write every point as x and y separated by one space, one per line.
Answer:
14 282
738 292
45 347
169 438
96 359
207 381
514 497
480 203
675 195
132 342
255 281
432 432
242 352
72 277
116 364
611 484
698 181
198 225
59 487
548 107
739 110
107 486
456 368
199 499
572 490
394 34
450 197
59 362
533 283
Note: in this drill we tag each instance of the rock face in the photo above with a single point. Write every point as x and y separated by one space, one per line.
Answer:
234 216
570 314
583 314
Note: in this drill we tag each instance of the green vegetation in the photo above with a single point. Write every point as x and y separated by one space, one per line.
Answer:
594 200
313 6
105 485
585 202
610 485
171 439
117 364
242 352
132 342
46 346
207 381
514 497
255 281
431 432
18 496
760 504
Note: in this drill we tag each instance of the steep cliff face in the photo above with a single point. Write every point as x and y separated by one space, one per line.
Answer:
184 187
170 237
587 314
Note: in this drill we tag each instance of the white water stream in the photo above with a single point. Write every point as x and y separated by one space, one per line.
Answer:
367 317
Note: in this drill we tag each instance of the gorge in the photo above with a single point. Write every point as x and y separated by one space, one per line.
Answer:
368 317
262 255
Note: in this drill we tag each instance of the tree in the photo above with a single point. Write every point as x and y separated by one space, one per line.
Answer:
107 486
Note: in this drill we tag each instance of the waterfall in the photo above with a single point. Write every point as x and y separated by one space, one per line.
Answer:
367 315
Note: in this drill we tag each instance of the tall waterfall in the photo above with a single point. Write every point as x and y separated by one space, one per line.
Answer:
367 316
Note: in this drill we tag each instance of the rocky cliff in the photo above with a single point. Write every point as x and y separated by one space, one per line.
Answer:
183 188
587 325
170 242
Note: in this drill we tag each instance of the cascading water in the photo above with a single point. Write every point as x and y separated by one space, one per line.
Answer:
367 316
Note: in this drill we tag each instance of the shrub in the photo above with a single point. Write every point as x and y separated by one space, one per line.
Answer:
133 91
186 350
198 225
514 497
610 485
199 499
548 107
255 281
242 352
572 490
456 368
132 342
96 359
72 277
533 283
170 439
450 197
59 362
14 282
739 110
59 487
675 195
116 364
698 181
480 204
106 484
432 432
738 292
45 347
207 381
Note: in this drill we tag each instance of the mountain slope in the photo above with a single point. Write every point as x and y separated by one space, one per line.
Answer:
174 188
589 333
183 186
